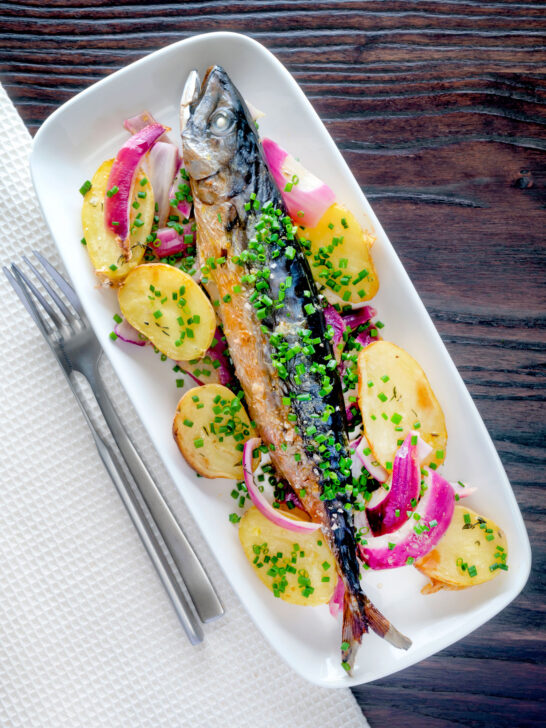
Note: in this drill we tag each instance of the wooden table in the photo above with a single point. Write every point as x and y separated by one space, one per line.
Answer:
438 108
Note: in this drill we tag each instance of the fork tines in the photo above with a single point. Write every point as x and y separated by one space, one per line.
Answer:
30 295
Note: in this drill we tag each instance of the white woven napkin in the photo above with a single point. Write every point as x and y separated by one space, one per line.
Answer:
88 636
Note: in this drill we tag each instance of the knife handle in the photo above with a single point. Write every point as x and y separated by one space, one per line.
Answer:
194 576
183 610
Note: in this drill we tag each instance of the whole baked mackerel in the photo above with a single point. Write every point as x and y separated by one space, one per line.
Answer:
274 325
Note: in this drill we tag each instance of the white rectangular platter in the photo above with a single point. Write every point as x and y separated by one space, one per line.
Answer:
69 147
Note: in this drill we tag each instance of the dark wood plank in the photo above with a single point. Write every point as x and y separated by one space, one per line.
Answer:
438 107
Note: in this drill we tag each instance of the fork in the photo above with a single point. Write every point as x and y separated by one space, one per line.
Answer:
73 341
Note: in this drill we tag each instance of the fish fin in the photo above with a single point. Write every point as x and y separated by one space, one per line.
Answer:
355 624
384 628
358 614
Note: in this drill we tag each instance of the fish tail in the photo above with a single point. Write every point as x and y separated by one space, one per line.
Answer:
382 627
359 614
355 624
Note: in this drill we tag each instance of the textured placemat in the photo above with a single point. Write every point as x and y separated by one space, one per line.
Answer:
88 636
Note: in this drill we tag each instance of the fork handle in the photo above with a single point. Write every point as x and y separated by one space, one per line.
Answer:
198 584
185 615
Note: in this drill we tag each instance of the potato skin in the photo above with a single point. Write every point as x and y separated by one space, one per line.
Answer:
409 397
354 251
101 244
220 455
465 542
260 537
163 317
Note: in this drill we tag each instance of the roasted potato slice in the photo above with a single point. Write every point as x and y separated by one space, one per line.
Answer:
311 578
210 428
395 397
169 308
472 550
341 256
104 251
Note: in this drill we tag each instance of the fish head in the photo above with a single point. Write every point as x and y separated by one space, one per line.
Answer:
216 139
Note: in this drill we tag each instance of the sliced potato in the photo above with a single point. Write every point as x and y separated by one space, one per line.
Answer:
395 397
210 428
261 538
167 306
104 250
341 256
471 551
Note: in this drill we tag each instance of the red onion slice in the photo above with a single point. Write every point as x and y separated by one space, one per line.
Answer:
183 206
198 381
461 489
367 459
348 412
361 316
405 487
161 166
419 534
129 334
336 602
122 175
335 320
291 497
136 123
171 242
279 518
364 339
220 373
307 197
217 352
423 449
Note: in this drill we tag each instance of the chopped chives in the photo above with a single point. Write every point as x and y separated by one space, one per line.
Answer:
84 189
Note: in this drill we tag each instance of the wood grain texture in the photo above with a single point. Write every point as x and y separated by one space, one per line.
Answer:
438 107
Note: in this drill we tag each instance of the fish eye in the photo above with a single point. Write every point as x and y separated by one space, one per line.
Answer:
221 122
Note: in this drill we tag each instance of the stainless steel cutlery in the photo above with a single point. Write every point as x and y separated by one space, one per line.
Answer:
60 317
